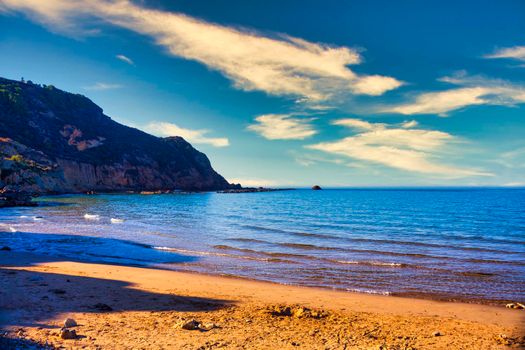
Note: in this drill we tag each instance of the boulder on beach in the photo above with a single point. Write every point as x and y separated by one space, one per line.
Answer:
69 322
66 333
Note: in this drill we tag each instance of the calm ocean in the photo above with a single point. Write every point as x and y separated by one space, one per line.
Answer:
439 243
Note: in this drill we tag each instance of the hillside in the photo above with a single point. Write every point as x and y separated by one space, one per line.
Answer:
52 141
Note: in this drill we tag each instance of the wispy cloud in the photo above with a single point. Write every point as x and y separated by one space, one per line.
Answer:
125 59
102 86
413 150
472 90
254 182
283 127
311 159
193 136
276 64
409 124
515 52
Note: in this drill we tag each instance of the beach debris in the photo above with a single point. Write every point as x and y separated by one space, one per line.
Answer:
515 306
510 341
194 325
6 248
190 325
66 333
102 307
208 326
57 291
297 312
437 334
69 322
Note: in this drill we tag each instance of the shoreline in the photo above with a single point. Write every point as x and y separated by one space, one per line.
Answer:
143 299
420 295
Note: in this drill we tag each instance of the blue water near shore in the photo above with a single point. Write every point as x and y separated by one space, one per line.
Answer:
460 243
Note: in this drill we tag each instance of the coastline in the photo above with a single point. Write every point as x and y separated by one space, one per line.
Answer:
148 299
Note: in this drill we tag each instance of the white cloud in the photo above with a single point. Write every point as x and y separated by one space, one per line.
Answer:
375 85
412 150
472 90
278 65
125 59
193 136
103 86
283 127
515 52
309 159
409 124
253 182
357 124
514 184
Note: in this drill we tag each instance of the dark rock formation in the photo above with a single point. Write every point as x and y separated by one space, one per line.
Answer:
9 198
316 188
53 141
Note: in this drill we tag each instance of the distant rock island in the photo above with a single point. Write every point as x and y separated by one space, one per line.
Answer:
52 142
316 188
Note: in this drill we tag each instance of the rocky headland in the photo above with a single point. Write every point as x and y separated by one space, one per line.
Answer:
53 142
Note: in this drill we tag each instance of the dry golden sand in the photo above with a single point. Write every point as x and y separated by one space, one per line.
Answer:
148 305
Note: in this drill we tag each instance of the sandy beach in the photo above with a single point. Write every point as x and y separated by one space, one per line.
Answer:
121 307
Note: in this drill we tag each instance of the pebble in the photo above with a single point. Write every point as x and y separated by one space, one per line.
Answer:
515 306
189 325
69 322
436 334
208 326
68 333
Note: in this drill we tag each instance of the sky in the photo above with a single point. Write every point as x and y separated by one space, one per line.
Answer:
296 93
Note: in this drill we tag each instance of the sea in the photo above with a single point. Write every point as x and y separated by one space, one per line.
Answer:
463 244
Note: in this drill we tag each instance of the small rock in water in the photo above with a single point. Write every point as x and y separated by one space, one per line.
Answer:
189 325
436 334
68 333
102 307
69 322
6 248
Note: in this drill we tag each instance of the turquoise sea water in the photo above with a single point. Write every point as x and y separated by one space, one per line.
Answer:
440 243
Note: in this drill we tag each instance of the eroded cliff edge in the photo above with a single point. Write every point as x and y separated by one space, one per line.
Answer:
52 141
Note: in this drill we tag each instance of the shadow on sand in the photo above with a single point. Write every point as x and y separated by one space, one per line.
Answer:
30 298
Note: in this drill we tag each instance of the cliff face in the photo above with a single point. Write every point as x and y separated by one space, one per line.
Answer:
52 141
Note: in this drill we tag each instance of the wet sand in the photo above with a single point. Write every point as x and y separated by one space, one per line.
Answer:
121 307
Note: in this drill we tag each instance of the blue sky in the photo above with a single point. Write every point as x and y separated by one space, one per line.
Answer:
296 93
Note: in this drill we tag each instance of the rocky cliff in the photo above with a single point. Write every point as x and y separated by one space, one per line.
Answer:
52 141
